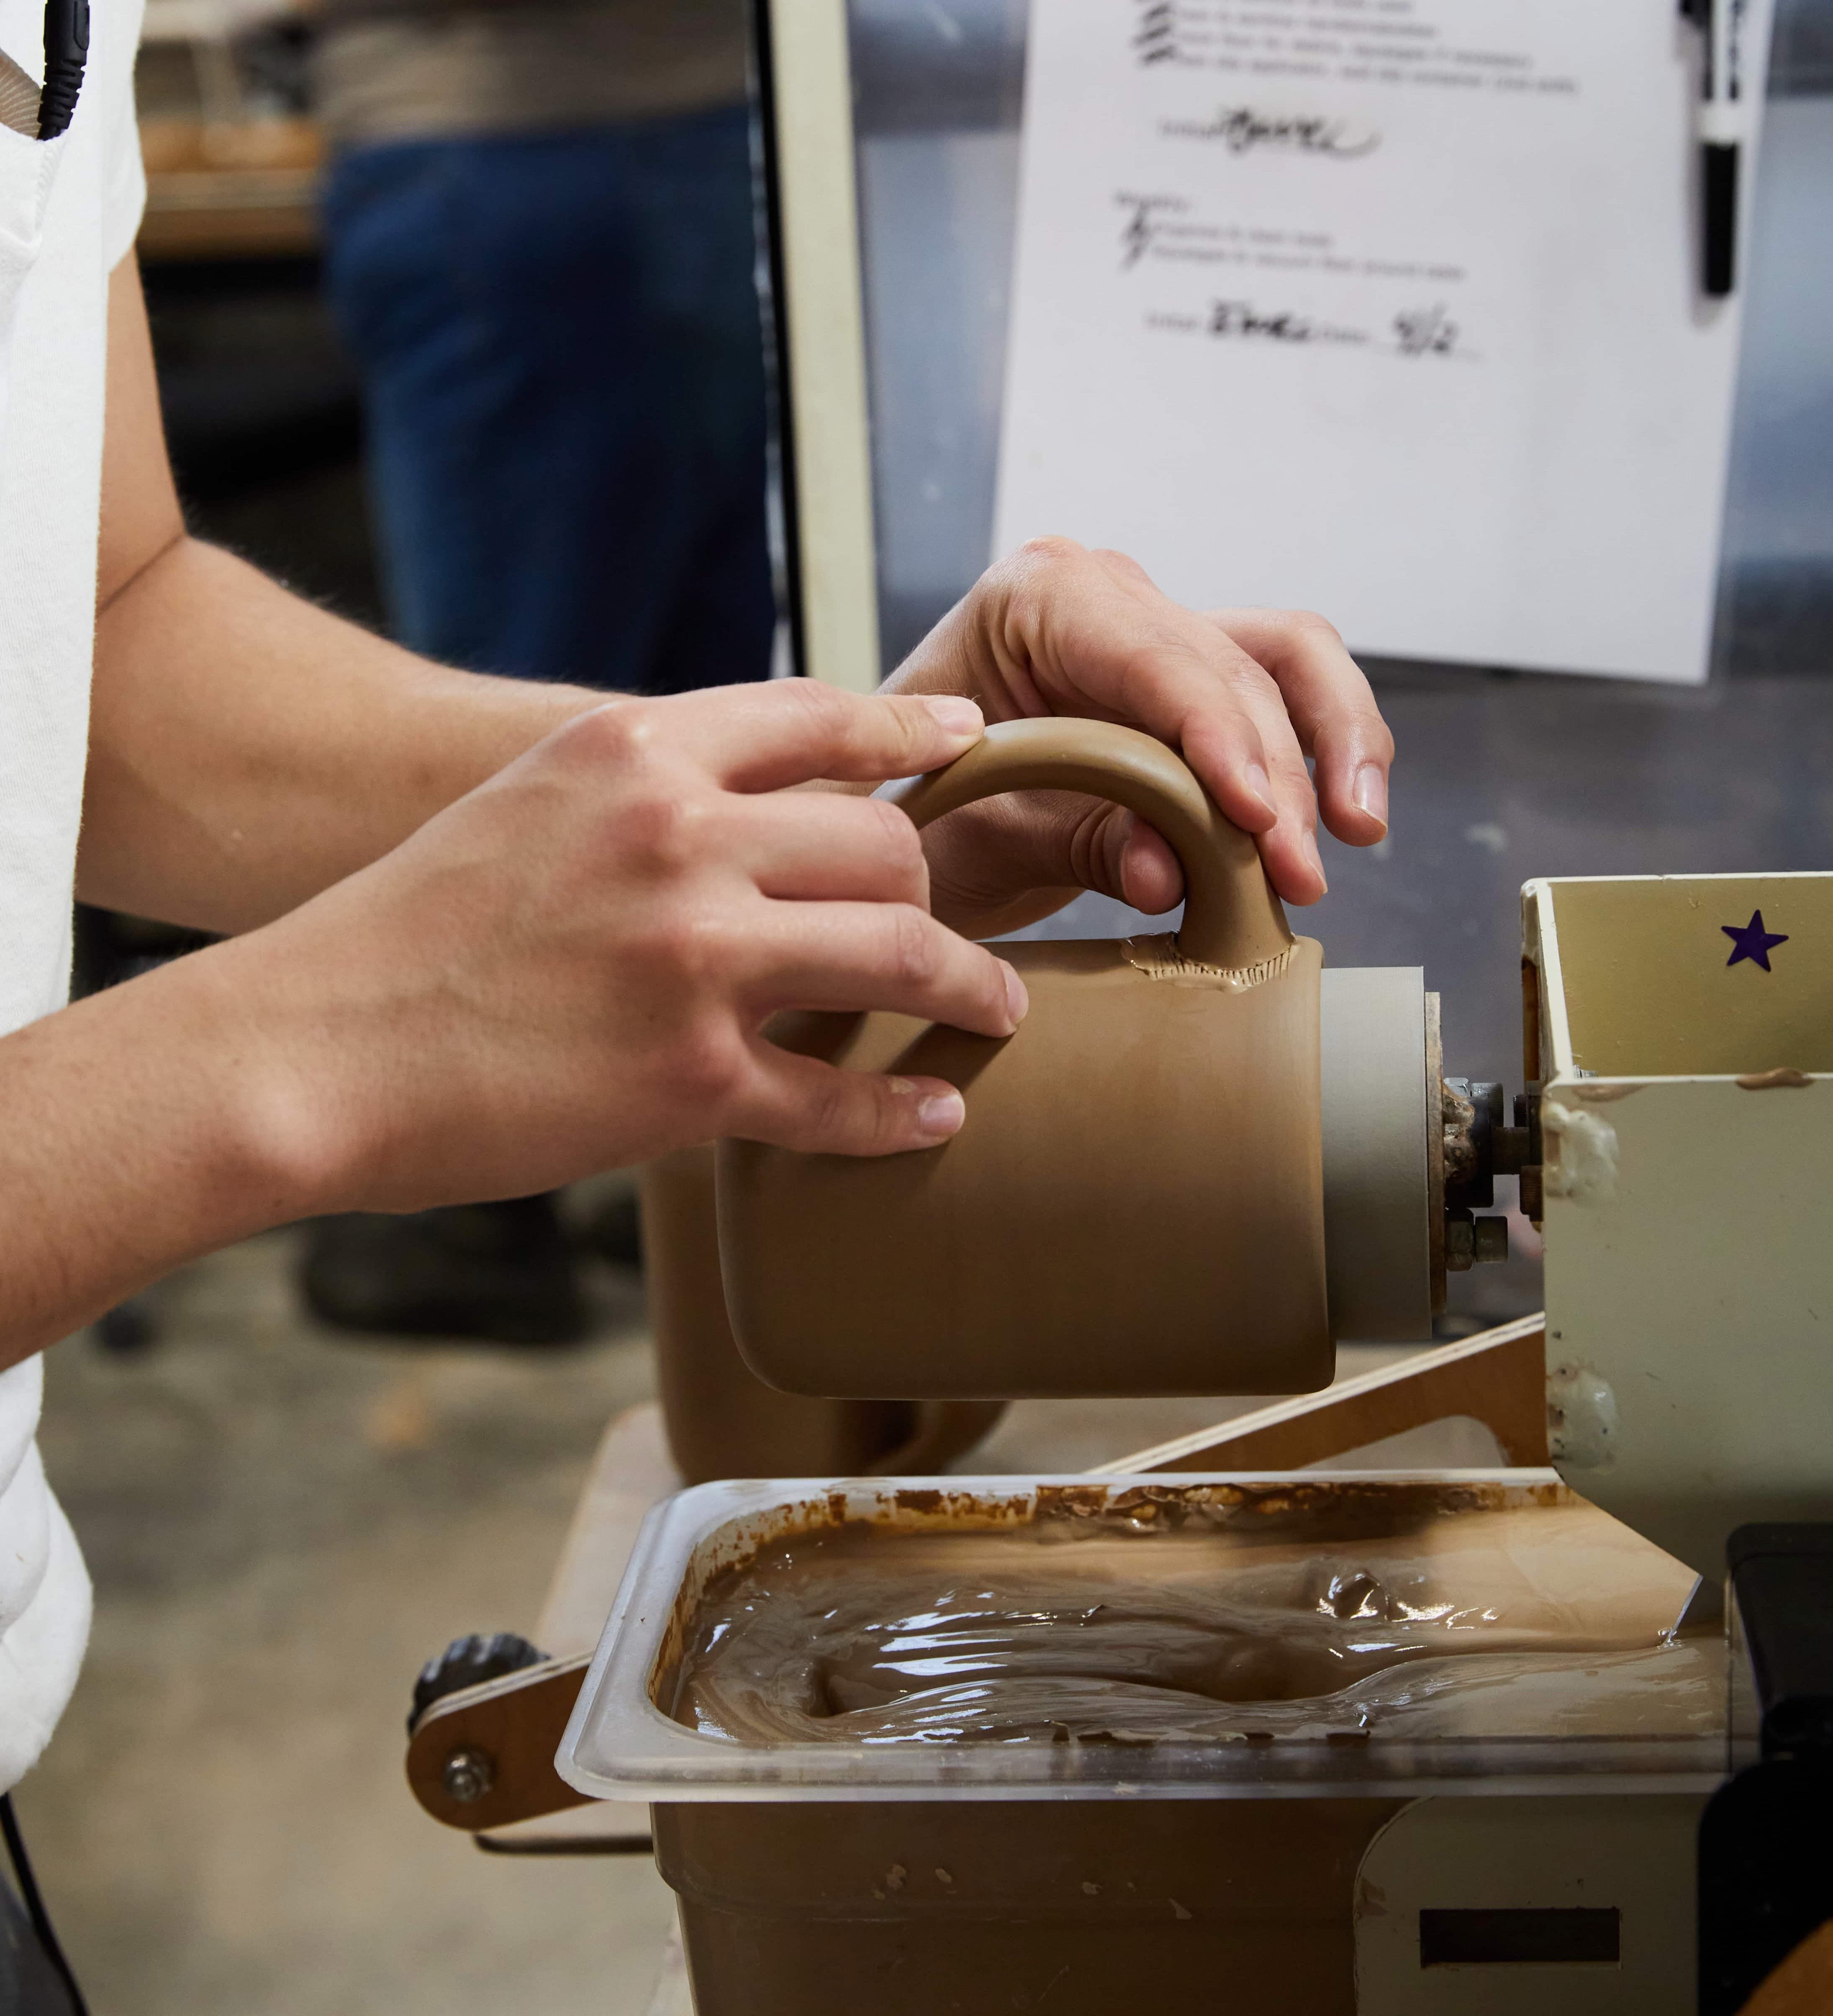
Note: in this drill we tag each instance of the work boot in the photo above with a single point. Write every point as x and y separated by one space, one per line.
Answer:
498 1271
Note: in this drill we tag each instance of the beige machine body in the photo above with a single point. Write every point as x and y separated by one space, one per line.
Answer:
1688 1144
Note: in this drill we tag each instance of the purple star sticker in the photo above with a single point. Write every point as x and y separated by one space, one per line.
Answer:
1752 941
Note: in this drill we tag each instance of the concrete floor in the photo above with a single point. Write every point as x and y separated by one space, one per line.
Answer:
282 1525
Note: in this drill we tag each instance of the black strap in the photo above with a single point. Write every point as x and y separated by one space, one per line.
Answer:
35 1904
67 51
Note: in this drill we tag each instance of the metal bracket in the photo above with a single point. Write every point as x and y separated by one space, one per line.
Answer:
484 1758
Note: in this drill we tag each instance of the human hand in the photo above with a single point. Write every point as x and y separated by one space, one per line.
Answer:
1245 695
569 969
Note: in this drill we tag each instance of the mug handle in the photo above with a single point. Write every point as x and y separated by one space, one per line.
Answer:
1232 920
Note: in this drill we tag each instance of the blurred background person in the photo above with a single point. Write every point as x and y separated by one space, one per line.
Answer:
538 246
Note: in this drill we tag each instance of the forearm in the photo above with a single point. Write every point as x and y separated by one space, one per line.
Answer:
247 749
138 1134
565 971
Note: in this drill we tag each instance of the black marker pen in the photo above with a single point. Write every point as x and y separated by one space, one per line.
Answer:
1721 121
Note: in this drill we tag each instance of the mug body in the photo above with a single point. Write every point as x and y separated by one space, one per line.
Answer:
1133 1207
721 1420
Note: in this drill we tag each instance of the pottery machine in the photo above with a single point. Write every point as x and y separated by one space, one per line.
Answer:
1679 1049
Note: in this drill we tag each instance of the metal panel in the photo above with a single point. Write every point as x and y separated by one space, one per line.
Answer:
809 128
1633 1856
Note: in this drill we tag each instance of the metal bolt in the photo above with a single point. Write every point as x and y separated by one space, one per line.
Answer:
468 1776
1510 1148
1460 1241
1461 1122
1490 1240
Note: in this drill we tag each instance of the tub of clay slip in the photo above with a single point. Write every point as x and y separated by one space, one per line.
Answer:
1153 1638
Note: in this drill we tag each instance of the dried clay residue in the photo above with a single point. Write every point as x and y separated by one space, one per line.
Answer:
1159 958
862 1635
1784 1078
1582 1154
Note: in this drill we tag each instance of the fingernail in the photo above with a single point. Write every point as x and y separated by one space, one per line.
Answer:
1371 793
941 1114
1018 995
1315 859
957 715
1260 784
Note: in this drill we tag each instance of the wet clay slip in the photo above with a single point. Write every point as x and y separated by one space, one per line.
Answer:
721 1419
1167 1618
1135 1204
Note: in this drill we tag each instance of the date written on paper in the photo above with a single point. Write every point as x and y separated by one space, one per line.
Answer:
1425 332
1421 332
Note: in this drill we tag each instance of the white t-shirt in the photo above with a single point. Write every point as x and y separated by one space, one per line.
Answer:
69 210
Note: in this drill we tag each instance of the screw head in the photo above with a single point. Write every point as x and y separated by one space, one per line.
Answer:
469 1774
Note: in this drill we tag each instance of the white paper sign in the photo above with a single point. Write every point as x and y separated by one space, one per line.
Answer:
1388 308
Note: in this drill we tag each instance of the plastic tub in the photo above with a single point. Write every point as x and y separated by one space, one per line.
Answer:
828 1878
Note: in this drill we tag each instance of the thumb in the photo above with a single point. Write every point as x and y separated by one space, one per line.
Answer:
996 852
1143 872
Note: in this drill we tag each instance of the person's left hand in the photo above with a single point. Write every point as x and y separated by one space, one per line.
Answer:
1245 695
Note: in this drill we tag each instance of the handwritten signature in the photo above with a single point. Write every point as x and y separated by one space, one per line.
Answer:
1241 129
1243 318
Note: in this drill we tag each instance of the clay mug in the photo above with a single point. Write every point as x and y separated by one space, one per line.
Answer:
1134 1205
720 1419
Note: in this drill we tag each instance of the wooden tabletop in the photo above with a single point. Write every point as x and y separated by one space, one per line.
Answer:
228 190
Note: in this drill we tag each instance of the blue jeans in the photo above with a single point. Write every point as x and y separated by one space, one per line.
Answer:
562 373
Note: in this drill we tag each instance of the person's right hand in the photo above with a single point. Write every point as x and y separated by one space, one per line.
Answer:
569 969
